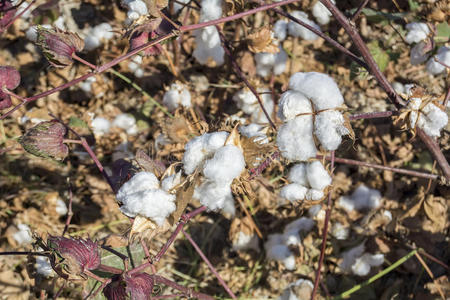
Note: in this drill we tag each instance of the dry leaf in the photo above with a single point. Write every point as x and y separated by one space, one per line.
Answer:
262 41
148 164
436 210
144 228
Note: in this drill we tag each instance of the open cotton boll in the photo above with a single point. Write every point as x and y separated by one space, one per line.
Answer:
23 235
171 181
229 207
297 174
416 32
293 104
136 8
228 163
213 195
126 122
61 208
298 290
134 65
177 95
418 55
96 34
430 118
363 198
100 125
314 194
318 177
349 257
291 231
246 242
362 265
211 10
297 30
200 147
320 88
139 182
339 231
280 30
293 192
266 63
208 46
249 104
276 250
256 131
295 139
321 13
443 56
329 127
43 266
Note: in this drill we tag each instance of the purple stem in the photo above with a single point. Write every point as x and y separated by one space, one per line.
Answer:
359 10
211 267
17 16
187 291
373 115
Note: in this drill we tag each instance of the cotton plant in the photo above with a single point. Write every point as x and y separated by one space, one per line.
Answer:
277 245
144 195
220 159
249 104
440 62
177 95
309 110
358 262
363 198
306 181
207 40
271 63
417 32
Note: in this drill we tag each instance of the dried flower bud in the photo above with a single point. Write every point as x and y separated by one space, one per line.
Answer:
78 254
58 45
7 12
140 38
139 286
263 41
115 290
46 140
9 79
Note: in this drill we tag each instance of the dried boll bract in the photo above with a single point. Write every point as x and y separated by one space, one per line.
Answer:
58 46
9 80
263 41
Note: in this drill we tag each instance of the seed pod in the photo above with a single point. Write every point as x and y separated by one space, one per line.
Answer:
58 45
139 286
115 290
46 140
78 254
9 79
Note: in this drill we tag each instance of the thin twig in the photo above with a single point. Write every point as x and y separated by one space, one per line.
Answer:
187 291
17 16
373 115
69 210
324 235
359 10
211 267
427 269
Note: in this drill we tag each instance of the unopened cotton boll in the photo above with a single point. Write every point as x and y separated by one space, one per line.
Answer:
297 30
100 125
430 118
293 104
177 95
23 235
280 30
320 88
126 122
295 139
228 163
363 198
416 32
443 57
417 55
199 148
329 127
321 13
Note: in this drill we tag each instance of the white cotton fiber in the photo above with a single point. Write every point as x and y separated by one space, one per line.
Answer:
275 250
295 139
100 125
321 13
266 63
43 266
126 122
349 257
443 56
171 181
299 31
134 65
61 208
293 192
280 30
208 46
418 55
362 264
228 163
320 88
213 195
177 95
23 235
96 35
314 195
339 231
140 182
416 32
318 177
298 290
292 104
297 174
246 242
291 231
211 10
249 104
363 198
255 131
329 127
430 118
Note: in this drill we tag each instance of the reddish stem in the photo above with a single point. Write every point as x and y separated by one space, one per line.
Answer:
69 212
373 115
187 291
324 235
359 10
211 267
17 16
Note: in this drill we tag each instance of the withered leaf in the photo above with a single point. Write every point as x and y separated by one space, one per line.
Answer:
262 41
436 210
184 196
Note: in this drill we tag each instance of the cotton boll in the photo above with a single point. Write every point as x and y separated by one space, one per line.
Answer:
139 182
100 125
321 13
23 235
417 55
91 42
299 31
211 10
213 195
360 267
293 104
363 198
248 103
329 127
339 231
349 257
398 87
416 32
293 192
158 205
319 88
443 56
86 85
280 62
126 122
291 231
138 6
246 242
430 118
214 141
177 95
134 65
256 131
314 195
208 46
318 177
171 181
229 207
43 266
297 174
96 34
271 62
295 139
280 30
298 290
275 250
228 163
61 208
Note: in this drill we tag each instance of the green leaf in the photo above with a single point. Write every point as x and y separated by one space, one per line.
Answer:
442 32
380 56
77 123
